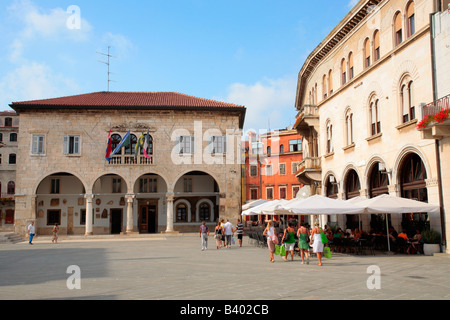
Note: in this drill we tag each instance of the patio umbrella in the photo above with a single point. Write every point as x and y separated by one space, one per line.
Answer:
318 204
253 204
256 210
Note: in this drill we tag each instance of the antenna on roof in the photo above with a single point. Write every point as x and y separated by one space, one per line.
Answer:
107 63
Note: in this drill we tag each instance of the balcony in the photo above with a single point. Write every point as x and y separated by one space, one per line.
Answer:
310 170
435 123
130 160
307 119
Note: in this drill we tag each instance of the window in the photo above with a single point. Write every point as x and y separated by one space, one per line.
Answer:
253 171
181 212
398 29
407 100
115 141
148 185
295 145
13 137
330 82
411 19
329 137
324 86
349 127
1 137
282 168
253 194
269 193
8 122
129 149
218 144
149 149
186 145
343 72
11 187
295 190
269 170
71 145
187 185
283 193
53 216
374 116
257 147
376 46
54 186
269 151
205 212
294 167
282 149
116 185
351 69
37 144
12 158
367 53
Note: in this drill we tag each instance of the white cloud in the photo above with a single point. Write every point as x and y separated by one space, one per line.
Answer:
120 45
352 3
268 102
33 81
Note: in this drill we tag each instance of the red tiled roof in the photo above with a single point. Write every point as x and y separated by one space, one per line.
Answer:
127 99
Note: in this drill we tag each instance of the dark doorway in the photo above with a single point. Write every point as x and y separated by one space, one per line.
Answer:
148 221
116 221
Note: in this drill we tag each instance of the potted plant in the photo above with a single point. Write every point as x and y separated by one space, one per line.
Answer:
431 242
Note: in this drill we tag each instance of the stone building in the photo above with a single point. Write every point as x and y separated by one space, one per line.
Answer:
187 171
360 96
9 130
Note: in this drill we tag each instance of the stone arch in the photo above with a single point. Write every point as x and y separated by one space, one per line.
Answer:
48 174
405 151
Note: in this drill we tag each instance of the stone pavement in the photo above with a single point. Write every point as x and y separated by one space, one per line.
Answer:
173 267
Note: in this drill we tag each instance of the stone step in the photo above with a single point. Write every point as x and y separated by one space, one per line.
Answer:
10 237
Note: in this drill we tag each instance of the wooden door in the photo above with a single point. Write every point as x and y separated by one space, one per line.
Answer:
143 219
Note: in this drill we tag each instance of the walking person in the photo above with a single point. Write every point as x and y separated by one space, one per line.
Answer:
270 233
289 240
218 235
55 233
317 242
31 232
239 231
303 245
228 228
204 233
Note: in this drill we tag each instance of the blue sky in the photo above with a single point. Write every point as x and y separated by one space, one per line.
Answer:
247 52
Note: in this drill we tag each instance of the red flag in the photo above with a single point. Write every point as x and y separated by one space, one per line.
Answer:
108 146
146 144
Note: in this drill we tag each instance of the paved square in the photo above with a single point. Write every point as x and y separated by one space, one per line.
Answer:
173 267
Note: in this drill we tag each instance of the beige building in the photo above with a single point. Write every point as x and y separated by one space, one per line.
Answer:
187 171
360 96
9 130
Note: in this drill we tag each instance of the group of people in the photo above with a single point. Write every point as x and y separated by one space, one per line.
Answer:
223 233
32 232
306 240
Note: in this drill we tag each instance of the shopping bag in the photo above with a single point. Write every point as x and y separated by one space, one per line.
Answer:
323 237
277 249
232 240
327 252
282 251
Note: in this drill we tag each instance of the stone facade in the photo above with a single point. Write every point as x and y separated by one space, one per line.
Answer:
359 98
86 194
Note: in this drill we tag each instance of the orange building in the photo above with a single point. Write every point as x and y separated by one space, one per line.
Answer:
271 163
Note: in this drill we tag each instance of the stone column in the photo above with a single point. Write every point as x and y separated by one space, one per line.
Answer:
89 214
130 200
169 201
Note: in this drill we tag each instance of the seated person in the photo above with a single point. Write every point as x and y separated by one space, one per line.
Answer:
403 235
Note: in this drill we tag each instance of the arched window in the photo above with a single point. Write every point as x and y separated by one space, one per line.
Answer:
330 82
181 212
282 149
376 46
269 151
375 116
329 137
148 139
349 127
378 183
332 188
129 149
407 100
367 53
343 72
410 19
11 187
351 70
324 86
115 140
205 212
398 32
352 185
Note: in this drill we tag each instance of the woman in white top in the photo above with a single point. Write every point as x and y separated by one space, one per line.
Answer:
317 242
270 232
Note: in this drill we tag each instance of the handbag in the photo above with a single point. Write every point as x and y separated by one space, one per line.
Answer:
323 237
274 239
282 251
277 249
327 252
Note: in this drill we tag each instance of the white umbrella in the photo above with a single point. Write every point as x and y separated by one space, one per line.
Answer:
253 204
255 210
270 209
318 204
386 203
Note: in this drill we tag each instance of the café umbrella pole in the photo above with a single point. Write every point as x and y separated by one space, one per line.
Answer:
387 233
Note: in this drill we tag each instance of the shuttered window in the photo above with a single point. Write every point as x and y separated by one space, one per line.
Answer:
71 145
37 144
